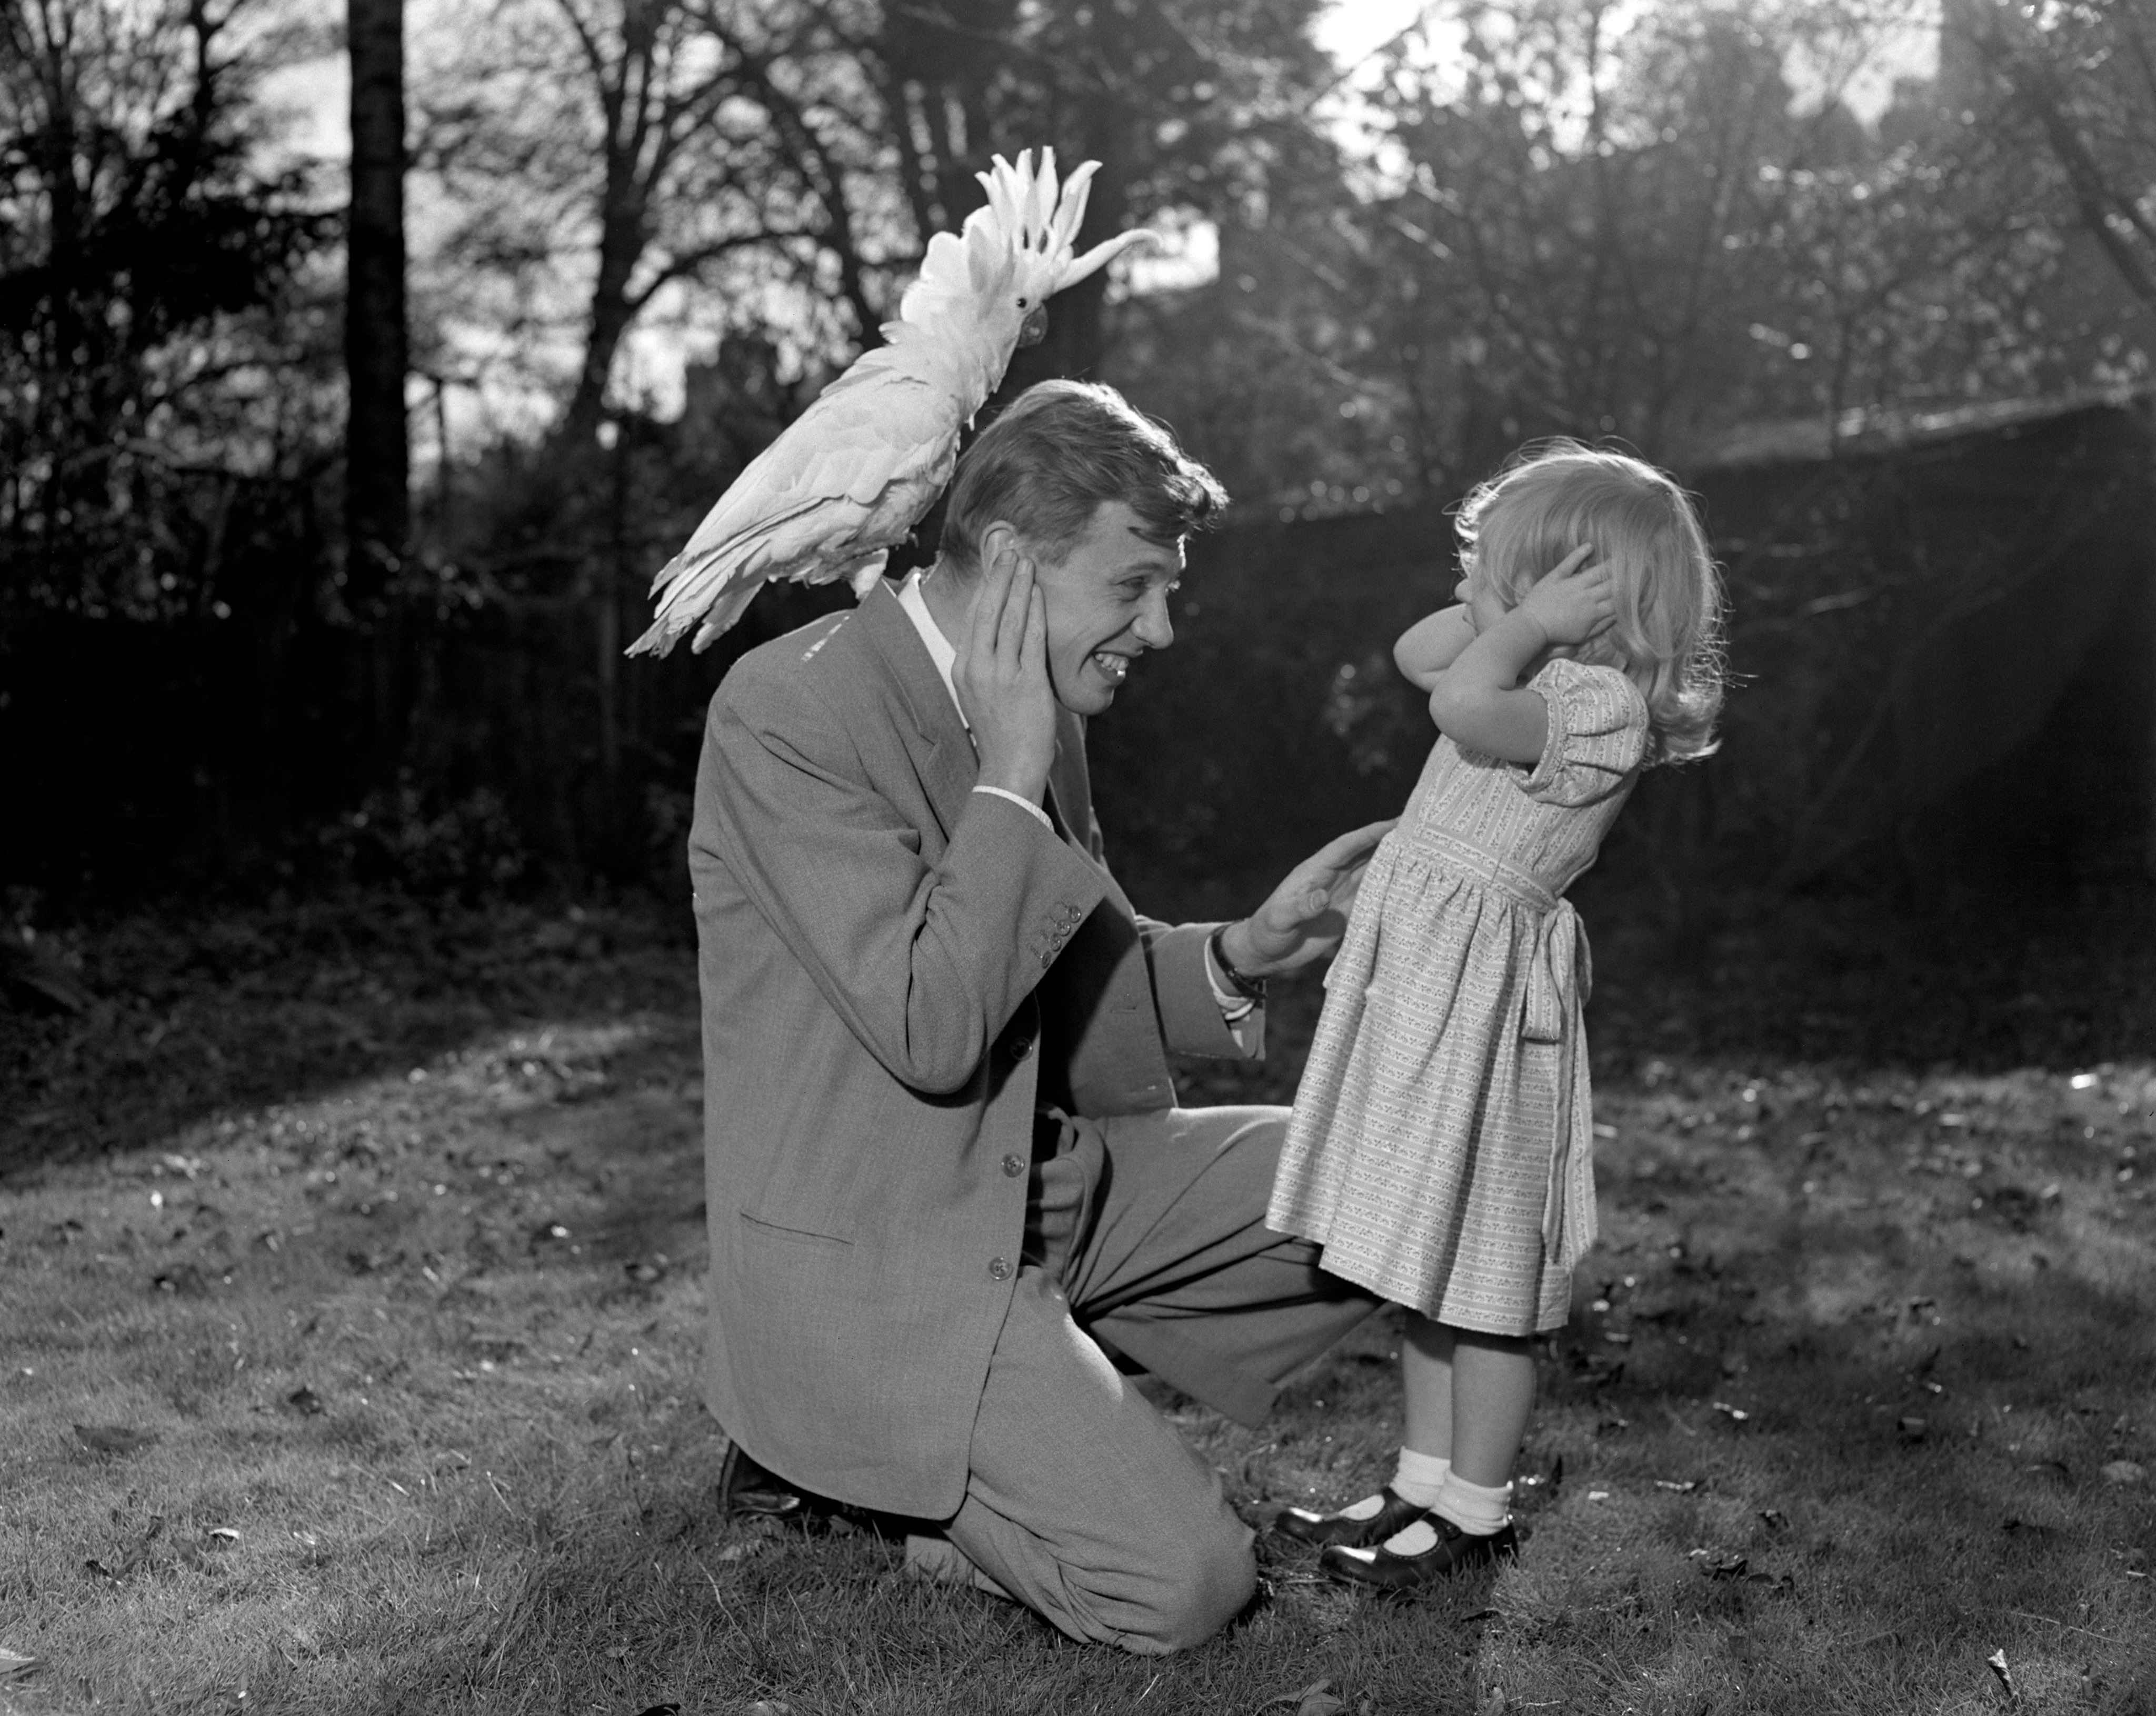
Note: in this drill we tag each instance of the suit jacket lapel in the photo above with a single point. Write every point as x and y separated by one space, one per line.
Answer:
1071 791
942 749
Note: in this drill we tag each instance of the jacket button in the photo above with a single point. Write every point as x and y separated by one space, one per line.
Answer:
1020 1047
998 1270
1014 1165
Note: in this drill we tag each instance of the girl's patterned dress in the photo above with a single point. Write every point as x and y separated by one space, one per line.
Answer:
1442 1144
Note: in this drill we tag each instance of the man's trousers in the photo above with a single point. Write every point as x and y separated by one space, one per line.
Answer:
1147 1238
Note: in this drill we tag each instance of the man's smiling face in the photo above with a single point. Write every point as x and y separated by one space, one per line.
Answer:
1107 605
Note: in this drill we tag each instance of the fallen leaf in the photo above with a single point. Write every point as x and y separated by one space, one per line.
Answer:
1725 1566
2124 1472
13 1663
221 1536
741 1551
113 1438
1313 1700
1776 1519
1735 1415
304 1400
1996 1663
1683 1488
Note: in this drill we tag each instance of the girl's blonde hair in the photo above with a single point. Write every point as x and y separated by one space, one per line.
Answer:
1559 495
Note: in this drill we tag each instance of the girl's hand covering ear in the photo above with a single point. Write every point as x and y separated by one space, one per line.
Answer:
1574 601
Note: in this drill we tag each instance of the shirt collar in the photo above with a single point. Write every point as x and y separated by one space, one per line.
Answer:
940 650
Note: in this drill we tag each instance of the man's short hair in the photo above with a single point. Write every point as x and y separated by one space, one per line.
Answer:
1057 452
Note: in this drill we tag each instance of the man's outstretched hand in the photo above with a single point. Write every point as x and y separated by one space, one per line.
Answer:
1302 919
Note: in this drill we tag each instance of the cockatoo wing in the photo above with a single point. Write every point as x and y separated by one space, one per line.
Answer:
845 481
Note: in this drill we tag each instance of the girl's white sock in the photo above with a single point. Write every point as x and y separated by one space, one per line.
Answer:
1420 1477
1479 1509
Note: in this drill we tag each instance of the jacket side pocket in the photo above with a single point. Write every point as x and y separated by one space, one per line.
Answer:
798 1235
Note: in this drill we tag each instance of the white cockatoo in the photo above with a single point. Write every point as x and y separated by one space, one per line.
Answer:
855 472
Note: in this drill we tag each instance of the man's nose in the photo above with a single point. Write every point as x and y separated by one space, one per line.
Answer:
1153 627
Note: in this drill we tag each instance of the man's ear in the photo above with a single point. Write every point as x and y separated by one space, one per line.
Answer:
1000 543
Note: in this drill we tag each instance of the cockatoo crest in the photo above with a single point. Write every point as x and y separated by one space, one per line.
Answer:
1016 252
853 476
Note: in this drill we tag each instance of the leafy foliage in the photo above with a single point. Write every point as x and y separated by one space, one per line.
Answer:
1576 222
1555 217
2076 78
148 332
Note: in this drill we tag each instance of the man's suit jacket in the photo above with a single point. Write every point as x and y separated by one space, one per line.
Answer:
895 972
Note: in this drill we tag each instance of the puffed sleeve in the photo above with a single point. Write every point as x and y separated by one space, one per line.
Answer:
1597 737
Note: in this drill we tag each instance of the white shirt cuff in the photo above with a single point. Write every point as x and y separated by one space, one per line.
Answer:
1027 805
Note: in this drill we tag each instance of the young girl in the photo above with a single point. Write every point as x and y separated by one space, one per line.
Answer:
1441 1149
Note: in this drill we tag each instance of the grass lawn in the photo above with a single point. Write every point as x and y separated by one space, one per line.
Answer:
349 1312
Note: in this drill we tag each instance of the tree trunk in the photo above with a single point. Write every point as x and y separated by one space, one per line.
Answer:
1076 338
624 233
377 451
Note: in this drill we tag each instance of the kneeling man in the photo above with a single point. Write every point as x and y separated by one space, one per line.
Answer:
949 1184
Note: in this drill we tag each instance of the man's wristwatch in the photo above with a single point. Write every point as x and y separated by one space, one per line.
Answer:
1252 989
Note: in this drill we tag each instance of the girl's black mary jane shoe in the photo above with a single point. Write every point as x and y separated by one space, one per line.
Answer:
1454 1551
1328 1530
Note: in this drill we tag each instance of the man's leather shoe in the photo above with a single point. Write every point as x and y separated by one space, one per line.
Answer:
750 1491
1454 1551
1322 1530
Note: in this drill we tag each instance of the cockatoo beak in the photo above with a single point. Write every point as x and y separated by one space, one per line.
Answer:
1035 328
1100 255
